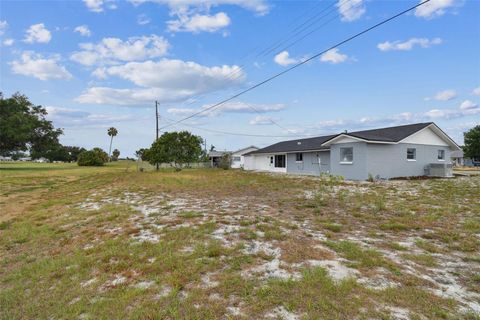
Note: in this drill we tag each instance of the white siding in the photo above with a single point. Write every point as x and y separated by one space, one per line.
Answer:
241 163
425 136
261 162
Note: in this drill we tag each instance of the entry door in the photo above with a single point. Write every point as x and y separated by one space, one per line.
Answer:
280 161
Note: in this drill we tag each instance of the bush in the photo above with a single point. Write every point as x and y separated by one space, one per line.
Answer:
92 158
225 161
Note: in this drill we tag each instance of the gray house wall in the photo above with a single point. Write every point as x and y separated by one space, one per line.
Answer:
390 161
357 170
309 165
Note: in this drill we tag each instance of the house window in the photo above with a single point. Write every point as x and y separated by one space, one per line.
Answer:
346 155
411 154
280 161
441 155
236 159
299 157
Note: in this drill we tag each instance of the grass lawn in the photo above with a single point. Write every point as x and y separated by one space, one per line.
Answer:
113 243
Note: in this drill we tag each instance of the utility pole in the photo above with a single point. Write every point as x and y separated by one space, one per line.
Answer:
156 117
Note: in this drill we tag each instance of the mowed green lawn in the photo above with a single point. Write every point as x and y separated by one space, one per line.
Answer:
113 243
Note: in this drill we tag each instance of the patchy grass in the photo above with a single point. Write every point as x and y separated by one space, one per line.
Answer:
109 242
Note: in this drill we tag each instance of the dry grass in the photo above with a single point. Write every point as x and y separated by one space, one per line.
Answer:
207 244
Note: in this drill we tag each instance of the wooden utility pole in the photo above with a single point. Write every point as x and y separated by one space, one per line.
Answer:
156 118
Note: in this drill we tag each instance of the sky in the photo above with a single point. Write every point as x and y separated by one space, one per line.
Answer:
95 64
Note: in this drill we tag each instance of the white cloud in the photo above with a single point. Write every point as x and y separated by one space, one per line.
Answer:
3 27
199 23
258 6
261 121
284 59
83 30
34 65
468 105
409 44
476 91
435 8
351 10
99 5
194 15
100 73
333 56
445 95
165 80
37 33
67 117
94 5
142 19
466 108
8 42
229 107
112 50
168 73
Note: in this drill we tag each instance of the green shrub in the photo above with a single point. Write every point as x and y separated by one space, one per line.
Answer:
93 157
225 161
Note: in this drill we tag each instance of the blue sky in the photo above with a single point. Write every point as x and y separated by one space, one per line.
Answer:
96 64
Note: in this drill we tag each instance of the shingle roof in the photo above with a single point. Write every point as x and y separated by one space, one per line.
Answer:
296 145
389 134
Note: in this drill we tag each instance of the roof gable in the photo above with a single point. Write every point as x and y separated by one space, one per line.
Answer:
425 136
245 150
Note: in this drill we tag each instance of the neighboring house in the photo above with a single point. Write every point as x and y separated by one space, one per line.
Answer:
238 158
25 159
41 160
2 158
457 158
215 157
402 151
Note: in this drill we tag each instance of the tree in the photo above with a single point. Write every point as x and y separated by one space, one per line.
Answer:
101 154
74 152
23 127
142 154
176 148
91 158
57 153
115 155
64 153
112 132
472 143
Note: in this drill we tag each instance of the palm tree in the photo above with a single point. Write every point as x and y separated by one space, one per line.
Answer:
112 132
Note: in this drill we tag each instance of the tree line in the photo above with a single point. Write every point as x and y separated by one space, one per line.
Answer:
25 128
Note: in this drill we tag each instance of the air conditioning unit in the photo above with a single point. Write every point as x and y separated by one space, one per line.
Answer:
439 170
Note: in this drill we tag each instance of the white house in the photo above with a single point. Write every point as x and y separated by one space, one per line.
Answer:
238 157
402 151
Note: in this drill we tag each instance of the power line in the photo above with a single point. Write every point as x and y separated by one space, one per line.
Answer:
301 62
236 133
272 46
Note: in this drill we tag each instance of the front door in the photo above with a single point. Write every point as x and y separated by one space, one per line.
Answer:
280 161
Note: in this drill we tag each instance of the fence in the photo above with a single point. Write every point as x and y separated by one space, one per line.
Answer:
145 166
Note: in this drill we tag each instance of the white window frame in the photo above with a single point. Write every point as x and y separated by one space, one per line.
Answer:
236 159
341 158
414 154
296 157
443 155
